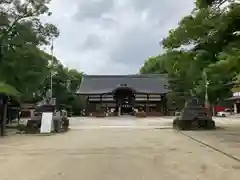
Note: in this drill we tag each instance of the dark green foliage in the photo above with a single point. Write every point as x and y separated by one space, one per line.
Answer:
23 65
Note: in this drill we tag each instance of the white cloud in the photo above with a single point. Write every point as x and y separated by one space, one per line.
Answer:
113 36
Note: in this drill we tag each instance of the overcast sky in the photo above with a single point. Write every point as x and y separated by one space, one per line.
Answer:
113 36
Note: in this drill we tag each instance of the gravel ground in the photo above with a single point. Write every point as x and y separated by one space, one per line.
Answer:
121 149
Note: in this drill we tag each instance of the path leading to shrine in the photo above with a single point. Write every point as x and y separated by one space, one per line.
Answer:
123 148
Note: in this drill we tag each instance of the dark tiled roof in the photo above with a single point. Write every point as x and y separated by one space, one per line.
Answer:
234 98
101 84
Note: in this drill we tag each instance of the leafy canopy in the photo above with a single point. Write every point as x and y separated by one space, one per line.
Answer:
211 38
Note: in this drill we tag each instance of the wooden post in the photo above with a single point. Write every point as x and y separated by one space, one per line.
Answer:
133 101
101 100
3 112
235 107
18 117
2 118
147 109
106 109
101 108
87 107
164 105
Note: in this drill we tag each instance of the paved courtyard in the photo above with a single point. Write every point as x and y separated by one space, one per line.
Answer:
123 149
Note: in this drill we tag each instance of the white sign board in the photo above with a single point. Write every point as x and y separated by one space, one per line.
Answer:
47 122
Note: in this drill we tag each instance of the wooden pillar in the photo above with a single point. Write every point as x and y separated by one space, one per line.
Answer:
147 108
2 116
159 107
133 101
101 100
235 107
18 117
106 109
3 113
164 99
87 107
101 108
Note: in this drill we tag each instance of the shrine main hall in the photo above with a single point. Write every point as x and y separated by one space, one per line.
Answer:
124 94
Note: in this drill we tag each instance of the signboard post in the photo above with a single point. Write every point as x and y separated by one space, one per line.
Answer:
47 122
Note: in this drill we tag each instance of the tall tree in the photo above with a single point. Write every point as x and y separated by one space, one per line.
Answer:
22 64
211 35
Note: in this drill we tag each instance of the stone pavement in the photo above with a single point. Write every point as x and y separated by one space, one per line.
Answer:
111 153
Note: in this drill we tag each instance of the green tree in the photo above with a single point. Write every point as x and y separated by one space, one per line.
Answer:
210 36
22 64
65 82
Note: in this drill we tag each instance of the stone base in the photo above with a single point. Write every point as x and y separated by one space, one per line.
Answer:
155 114
100 115
141 114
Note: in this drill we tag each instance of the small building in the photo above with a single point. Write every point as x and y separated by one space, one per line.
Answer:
235 99
7 96
125 94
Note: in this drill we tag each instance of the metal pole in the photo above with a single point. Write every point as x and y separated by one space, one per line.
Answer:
206 96
51 75
206 93
51 86
1 55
